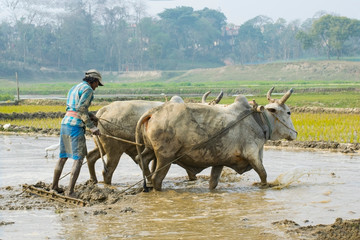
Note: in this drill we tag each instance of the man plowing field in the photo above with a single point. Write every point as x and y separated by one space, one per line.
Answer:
72 132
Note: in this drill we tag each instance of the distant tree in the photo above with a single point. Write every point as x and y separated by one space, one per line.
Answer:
281 40
139 41
5 46
273 33
116 36
178 22
250 45
76 39
208 33
196 34
330 33
157 42
215 18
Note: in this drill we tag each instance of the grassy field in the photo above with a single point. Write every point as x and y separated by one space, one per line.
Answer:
342 128
44 123
316 76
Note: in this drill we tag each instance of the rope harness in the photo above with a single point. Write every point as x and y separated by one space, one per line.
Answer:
113 137
284 123
96 138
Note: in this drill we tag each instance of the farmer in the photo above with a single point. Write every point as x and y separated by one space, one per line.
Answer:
72 132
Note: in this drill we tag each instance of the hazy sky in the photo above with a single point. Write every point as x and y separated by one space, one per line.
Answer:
239 11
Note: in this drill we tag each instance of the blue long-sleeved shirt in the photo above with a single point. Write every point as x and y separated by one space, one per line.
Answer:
78 100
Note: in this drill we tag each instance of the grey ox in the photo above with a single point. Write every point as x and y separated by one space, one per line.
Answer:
118 119
198 136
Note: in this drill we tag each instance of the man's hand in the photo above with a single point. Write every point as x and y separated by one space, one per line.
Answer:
95 131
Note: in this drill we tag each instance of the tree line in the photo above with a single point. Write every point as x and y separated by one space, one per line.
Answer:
122 37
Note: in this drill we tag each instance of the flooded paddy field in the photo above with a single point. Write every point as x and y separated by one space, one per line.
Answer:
316 187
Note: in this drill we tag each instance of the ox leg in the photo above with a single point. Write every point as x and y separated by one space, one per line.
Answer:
159 175
113 158
92 157
259 167
214 176
191 175
147 156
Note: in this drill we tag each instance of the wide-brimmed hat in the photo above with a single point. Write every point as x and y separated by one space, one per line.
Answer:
95 74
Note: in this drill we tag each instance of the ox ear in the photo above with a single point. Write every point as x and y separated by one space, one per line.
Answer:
272 107
273 110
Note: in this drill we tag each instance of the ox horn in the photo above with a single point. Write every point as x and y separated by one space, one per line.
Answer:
219 97
268 95
203 99
286 96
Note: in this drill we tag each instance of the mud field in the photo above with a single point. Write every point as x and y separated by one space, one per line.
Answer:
316 198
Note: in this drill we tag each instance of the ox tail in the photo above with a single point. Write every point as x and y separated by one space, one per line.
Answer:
143 120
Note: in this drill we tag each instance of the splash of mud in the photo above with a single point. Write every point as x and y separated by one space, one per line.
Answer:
286 179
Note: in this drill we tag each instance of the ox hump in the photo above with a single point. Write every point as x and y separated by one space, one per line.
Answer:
241 102
176 99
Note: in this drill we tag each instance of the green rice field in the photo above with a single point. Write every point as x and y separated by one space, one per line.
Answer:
44 123
342 128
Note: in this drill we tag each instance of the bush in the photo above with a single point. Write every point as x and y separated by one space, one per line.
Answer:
6 97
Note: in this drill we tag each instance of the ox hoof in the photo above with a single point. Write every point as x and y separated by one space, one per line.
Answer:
91 182
262 185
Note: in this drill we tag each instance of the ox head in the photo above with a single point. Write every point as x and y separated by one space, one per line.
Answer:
279 116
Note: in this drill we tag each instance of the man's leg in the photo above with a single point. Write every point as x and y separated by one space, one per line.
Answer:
57 172
74 176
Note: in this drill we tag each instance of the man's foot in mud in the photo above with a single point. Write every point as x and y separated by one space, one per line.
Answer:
72 195
57 190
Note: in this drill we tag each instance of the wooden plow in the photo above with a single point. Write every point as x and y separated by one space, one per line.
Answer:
53 196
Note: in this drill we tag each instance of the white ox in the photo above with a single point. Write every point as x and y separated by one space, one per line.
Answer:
118 119
198 136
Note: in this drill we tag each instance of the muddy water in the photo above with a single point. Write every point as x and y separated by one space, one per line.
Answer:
317 187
